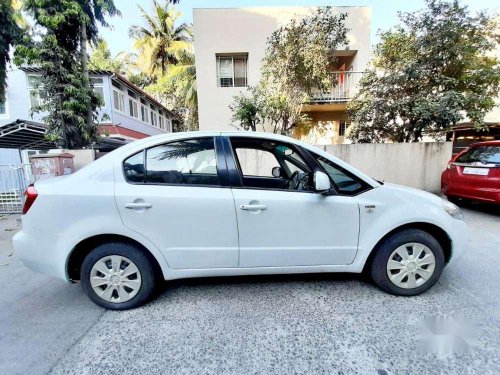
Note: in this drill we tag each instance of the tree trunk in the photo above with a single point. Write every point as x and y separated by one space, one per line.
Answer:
85 70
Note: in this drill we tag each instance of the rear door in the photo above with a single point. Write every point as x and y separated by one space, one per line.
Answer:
174 194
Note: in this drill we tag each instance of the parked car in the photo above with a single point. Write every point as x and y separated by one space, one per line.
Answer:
189 205
474 174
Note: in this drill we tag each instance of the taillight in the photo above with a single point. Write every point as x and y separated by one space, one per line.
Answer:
30 196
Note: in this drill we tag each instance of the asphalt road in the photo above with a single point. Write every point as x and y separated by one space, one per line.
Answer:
334 324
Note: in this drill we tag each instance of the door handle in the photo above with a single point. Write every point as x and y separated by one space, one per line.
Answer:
138 206
253 207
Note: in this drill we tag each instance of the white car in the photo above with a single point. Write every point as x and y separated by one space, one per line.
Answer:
221 204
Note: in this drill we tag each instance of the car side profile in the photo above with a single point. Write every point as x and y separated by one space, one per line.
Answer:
203 204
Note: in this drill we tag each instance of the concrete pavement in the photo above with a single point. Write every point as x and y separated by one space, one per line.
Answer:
281 324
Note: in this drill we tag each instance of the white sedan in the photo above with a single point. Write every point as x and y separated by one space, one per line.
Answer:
222 204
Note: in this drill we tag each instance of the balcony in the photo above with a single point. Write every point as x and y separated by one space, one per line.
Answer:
343 90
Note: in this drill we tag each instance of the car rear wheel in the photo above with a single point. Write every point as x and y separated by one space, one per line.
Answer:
118 276
407 263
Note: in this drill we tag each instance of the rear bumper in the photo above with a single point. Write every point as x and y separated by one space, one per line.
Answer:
42 252
474 193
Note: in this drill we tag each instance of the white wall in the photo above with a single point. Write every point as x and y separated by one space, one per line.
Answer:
246 30
417 165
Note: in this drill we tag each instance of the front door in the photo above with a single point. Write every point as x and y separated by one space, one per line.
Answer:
281 221
171 194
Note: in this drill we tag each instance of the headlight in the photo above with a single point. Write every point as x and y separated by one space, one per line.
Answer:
453 210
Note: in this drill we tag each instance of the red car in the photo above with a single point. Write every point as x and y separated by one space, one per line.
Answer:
474 174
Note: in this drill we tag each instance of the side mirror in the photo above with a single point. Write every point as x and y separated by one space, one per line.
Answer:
321 182
276 172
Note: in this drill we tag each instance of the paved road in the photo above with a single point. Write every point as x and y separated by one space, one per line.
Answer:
335 324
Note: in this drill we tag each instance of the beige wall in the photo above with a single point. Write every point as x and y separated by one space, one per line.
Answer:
82 157
246 30
325 130
417 165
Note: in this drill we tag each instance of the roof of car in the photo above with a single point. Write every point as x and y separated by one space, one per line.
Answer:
486 143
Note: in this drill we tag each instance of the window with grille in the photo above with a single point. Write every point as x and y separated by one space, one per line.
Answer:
98 87
133 104
144 111
34 85
118 97
232 70
343 127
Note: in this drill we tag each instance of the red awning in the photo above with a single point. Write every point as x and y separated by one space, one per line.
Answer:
120 131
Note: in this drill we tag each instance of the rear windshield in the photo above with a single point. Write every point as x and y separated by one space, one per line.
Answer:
481 154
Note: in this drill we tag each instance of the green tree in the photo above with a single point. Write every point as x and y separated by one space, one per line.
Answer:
57 47
177 89
10 32
297 61
248 110
160 41
101 59
428 73
93 12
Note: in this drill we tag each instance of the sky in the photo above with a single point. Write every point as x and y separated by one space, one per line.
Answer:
384 13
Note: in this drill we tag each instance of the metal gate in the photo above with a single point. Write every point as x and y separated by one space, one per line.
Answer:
13 182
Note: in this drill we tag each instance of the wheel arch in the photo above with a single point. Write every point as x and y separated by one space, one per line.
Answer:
85 246
437 232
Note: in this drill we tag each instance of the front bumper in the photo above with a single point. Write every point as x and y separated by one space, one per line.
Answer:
459 235
42 252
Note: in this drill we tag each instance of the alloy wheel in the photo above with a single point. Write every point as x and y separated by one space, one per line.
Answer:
115 278
411 265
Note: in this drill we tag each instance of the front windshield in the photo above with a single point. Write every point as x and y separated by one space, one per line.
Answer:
481 154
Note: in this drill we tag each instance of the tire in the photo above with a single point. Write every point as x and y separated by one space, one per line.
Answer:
124 289
420 273
458 201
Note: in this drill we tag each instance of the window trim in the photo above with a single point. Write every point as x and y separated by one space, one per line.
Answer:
33 89
365 184
222 179
235 173
347 124
121 95
133 99
232 56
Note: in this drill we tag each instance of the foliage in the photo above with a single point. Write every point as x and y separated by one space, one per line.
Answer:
177 89
166 55
428 73
101 59
10 32
123 63
160 41
54 45
248 110
297 61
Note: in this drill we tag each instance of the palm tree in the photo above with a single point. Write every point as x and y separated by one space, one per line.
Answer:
160 42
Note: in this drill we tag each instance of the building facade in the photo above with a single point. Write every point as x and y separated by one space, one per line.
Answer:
230 45
128 113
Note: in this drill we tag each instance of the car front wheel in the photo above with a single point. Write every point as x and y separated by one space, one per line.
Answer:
407 263
118 276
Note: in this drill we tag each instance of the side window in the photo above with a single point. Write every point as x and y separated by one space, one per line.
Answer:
345 182
268 164
191 162
134 168
254 162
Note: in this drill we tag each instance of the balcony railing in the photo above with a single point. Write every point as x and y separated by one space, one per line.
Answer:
343 90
